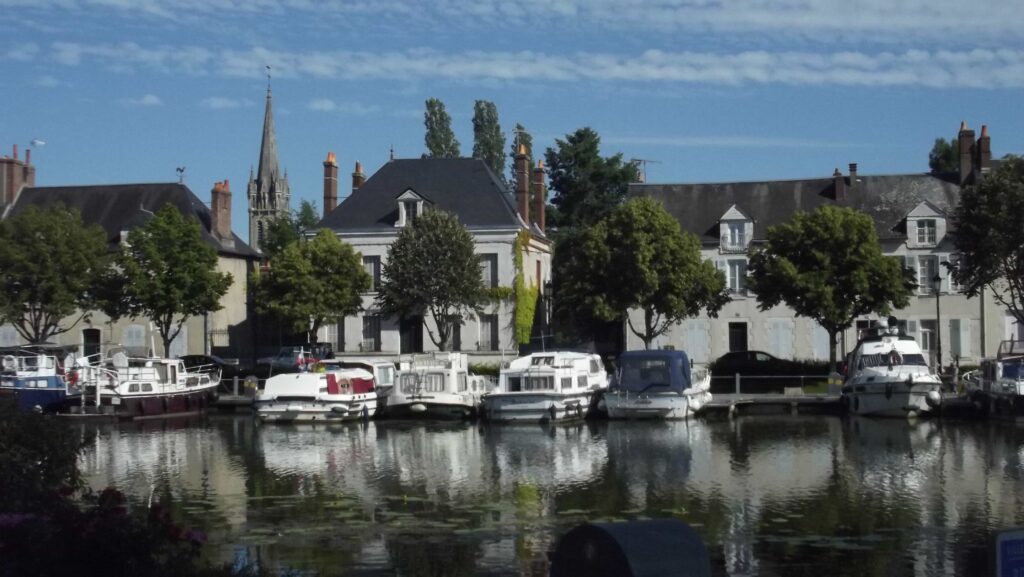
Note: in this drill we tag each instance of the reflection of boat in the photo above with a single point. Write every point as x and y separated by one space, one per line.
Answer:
438 386
335 395
888 376
999 387
34 375
142 387
546 387
657 385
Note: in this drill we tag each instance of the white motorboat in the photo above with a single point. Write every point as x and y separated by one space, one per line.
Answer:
887 376
550 386
657 385
999 387
382 369
317 395
437 386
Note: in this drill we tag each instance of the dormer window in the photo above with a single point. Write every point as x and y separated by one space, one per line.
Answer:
410 206
411 210
926 231
737 234
925 226
736 230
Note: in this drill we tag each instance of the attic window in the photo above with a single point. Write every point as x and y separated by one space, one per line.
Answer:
411 210
926 231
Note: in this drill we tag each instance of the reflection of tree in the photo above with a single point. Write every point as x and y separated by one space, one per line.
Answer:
431 554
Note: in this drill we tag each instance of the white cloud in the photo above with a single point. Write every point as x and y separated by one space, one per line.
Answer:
21 53
322 104
351 108
222 103
46 81
146 100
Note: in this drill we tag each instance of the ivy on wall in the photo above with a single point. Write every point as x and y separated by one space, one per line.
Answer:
526 297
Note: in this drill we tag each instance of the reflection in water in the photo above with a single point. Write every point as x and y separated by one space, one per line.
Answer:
769 495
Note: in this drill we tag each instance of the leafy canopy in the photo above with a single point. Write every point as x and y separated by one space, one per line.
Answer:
167 274
488 139
432 268
312 283
440 140
658 269
944 157
989 236
289 228
52 265
585 186
828 265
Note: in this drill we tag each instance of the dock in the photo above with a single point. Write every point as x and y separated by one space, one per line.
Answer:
732 405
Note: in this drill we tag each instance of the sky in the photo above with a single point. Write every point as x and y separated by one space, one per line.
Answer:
119 91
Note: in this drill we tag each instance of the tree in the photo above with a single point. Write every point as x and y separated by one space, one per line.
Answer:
289 228
441 141
312 283
987 233
521 135
52 265
828 266
432 268
167 274
658 269
488 140
944 157
585 186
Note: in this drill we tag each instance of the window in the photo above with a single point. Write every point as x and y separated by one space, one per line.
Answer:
582 382
489 270
927 339
371 334
411 210
488 333
566 383
515 384
927 268
738 276
926 231
737 235
737 337
371 264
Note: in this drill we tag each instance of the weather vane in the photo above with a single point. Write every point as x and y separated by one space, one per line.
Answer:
268 78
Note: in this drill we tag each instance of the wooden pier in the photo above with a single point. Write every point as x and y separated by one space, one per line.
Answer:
953 406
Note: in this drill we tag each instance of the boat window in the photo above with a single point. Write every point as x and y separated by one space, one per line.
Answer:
645 373
133 388
543 361
407 384
147 387
595 367
566 383
540 383
582 383
30 363
515 384
433 383
386 377
462 382
1012 371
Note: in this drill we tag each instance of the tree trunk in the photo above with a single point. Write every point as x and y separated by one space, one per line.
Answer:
832 340
167 344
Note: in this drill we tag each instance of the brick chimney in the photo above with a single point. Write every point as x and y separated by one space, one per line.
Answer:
839 183
540 195
220 210
984 151
965 140
358 177
522 164
853 177
15 175
330 184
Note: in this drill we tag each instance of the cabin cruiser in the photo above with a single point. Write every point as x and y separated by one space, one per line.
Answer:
887 376
36 377
382 369
657 385
999 386
319 394
550 386
437 386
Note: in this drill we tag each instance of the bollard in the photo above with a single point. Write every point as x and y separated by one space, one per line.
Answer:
658 547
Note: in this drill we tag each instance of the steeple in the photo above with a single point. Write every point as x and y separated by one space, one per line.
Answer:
269 194
268 148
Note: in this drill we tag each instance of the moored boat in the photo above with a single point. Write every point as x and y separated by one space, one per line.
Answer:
317 395
888 376
999 386
549 386
437 386
382 369
35 376
657 385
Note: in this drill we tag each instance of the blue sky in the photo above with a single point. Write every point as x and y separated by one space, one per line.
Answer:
708 90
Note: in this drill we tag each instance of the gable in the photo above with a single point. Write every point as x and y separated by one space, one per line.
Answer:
734 214
926 209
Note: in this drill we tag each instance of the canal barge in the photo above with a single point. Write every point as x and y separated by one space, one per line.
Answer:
318 394
437 386
657 385
546 387
35 377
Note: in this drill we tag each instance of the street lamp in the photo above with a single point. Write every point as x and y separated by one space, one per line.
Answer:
547 291
937 283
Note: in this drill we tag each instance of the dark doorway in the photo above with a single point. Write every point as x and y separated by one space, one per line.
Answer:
91 344
410 331
737 337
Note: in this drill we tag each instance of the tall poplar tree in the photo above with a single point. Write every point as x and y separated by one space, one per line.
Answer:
488 140
520 135
440 140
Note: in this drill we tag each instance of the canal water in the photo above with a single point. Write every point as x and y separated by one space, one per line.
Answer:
769 495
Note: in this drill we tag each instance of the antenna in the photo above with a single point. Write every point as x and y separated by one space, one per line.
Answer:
181 174
641 164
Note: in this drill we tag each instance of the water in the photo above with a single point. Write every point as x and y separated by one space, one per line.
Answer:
769 495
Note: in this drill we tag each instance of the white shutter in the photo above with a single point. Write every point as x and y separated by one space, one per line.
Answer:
912 328
954 338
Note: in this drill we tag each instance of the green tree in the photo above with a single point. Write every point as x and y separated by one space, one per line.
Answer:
167 274
521 135
52 265
312 283
988 235
944 156
432 268
440 140
585 185
658 270
828 265
289 228
488 139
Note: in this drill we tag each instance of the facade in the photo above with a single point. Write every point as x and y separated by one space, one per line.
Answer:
120 208
269 194
372 216
912 217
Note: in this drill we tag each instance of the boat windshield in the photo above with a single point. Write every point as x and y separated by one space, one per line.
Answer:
883 359
639 374
1013 371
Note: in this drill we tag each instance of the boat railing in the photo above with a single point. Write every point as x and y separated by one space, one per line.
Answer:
1010 348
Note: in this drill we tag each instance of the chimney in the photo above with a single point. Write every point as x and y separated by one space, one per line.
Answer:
220 210
839 183
540 195
984 151
522 164
358 177
853 177
330 184
965 140
14 175
15 157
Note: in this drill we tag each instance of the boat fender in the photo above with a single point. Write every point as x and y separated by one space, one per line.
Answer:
366 413
888 391
934 399
579 410
339 409
553 412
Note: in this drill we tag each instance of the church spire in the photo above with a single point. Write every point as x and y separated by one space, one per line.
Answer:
268 171
269 194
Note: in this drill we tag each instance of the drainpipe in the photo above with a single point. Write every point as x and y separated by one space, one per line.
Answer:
984 334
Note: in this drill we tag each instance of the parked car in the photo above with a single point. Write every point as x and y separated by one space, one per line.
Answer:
293 358
210 363
761 372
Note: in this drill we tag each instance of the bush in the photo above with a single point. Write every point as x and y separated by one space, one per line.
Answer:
485 369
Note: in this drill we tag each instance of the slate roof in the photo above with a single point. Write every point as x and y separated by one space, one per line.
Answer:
118 207
886 198
466 187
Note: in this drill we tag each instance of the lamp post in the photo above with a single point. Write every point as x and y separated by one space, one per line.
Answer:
547 290
937 283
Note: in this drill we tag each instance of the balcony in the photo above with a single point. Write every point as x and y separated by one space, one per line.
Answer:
734 245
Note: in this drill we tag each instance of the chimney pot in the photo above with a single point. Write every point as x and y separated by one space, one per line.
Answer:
522 166
984 150
330 183
965 141
220 210
28 153
15 157
539 196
